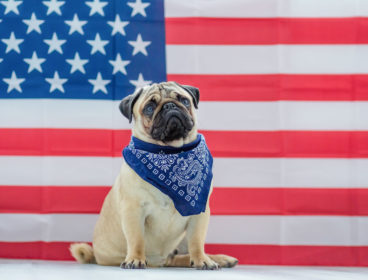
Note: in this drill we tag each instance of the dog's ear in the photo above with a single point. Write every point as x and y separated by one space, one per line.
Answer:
127 104
193 91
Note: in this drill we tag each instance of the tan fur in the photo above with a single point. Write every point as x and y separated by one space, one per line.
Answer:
184 260
82 252
138 224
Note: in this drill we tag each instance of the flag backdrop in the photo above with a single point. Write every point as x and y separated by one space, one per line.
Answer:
284 90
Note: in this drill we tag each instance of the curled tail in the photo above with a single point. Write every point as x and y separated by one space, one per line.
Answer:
82 252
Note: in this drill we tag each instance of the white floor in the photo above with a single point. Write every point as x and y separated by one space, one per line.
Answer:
46 270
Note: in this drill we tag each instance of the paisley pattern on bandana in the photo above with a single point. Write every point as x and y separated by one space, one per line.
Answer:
184 174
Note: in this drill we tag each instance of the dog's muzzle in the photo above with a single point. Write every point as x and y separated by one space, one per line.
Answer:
171 123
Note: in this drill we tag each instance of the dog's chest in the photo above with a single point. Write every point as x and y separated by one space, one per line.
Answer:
162 217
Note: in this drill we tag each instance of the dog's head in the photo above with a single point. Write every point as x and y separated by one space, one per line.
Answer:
164 113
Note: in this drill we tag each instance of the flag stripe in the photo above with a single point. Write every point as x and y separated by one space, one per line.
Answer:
52 199
247 254
63 142
293 255
265 31
254 116
36 250
267 59
266 8
104 143
288 230
224 201
292 173
62 113
275 87
230 172
260 229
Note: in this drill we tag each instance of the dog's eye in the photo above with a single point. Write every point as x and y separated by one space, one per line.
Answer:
149 109
185 101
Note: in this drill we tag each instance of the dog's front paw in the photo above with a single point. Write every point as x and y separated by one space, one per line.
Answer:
133 263
204 263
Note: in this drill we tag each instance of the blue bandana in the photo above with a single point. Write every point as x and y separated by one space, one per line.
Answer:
184 174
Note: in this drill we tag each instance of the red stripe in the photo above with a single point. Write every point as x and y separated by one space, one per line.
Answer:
274 87
63 142
291 144
52 199
224 201
262 31
35 250
100 142
293 255
247 254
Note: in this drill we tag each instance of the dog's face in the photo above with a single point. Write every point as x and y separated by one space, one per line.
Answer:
164 113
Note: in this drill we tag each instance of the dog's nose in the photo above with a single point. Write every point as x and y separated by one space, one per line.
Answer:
169 105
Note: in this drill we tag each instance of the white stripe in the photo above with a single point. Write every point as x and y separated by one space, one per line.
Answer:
280 115
228 172
278 230
61 113
283 115
267 59
63 171
54 227
291 172
266 8
289 230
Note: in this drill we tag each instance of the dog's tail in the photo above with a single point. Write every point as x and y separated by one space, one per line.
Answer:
82 252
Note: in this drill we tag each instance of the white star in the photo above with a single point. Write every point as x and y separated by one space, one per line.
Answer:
12 43
98 45
139 45
11 6
53 6
55 44
118 26
34 62
56 82
1 60
33 24
119 65
140 82
99 83
138 7
76 25
13 82
77 63
96 7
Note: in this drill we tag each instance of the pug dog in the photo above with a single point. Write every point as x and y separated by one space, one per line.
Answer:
138 225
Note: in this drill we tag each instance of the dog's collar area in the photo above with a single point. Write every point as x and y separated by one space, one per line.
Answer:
184 174
153 148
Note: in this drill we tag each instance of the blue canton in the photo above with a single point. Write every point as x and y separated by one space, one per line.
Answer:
184 174
80 49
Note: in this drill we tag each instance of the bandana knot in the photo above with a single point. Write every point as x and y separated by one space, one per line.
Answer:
184 174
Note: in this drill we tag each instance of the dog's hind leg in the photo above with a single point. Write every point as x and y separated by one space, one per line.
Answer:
224 260
176 260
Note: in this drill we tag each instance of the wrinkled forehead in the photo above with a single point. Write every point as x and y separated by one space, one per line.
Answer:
166 90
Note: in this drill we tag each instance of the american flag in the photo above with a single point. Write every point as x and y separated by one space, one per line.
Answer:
284 90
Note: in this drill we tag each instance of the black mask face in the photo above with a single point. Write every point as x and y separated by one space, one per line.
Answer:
171 123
